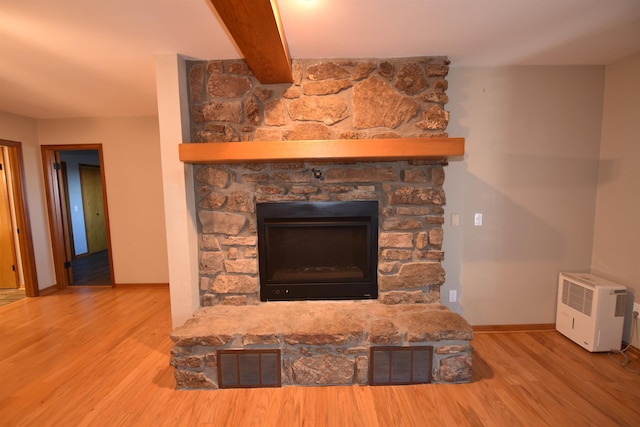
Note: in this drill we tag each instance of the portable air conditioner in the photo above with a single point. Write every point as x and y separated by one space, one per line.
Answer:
591 311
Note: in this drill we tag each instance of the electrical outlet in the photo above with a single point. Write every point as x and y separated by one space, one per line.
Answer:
453 296
477 219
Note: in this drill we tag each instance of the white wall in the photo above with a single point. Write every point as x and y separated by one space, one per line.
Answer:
24 130
616 245
179 194
531 167
131 151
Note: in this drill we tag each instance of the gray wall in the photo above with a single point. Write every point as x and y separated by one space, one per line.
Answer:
531 168
616 244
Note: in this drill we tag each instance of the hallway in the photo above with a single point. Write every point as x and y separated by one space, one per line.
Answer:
91 270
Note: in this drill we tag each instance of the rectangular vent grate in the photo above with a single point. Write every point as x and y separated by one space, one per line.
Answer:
248 368
621 304
400 365
577 297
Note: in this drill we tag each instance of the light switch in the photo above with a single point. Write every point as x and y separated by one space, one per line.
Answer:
455 220
477 219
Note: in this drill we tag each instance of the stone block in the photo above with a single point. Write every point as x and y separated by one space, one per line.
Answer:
326 369
363 69
292 177
411 79
326 109
212 201
221 111
234 284
384 332
413 210
362 370
456 369
356 175
211 262
415 175
262 93
264 134
238 67
386 70
422 240
401 224
247 266
221 222
413 275
396 254
240 241
216 176
209 242
191 361
196 81
225 86
435 237
326 70
403 297
376 104
241 201
452 349
326 87
192 380
395 240
415 195
435 118
274 113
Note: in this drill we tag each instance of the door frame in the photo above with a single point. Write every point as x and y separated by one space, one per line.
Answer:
57 207
21 211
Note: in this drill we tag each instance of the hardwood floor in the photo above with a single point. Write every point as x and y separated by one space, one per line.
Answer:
8 296
100 357
91 270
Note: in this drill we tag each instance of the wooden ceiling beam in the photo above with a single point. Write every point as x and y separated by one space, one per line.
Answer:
257 31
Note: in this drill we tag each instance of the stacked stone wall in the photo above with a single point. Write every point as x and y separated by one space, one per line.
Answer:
410 199
329 99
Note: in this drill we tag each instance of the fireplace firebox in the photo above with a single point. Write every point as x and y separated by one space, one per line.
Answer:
318 250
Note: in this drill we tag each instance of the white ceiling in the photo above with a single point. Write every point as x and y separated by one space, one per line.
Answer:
95 58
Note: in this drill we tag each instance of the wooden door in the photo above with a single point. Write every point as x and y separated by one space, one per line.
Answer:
8 259
93 205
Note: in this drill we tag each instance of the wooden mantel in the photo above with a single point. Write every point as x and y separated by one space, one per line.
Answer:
346 150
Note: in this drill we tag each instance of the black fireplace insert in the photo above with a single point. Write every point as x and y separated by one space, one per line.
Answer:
318 250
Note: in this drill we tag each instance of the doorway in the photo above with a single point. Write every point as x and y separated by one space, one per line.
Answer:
78 215
18 271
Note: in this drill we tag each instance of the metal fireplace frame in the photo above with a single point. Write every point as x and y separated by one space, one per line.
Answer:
363 214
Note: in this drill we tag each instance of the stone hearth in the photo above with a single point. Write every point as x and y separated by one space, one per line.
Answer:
321 342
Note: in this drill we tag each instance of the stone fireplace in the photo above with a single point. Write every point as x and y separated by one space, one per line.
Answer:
331 342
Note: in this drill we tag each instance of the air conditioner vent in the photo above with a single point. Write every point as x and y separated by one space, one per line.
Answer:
400 365
577 297
249 368
621 304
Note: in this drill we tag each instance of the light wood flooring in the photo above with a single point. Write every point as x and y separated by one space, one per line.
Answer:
91 270
100 357
8 296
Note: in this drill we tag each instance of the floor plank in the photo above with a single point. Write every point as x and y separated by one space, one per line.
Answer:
100 356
